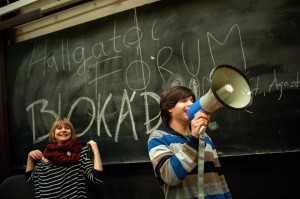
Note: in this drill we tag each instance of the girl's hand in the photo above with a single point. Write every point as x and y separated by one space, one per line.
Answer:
93 145
97 159
35 154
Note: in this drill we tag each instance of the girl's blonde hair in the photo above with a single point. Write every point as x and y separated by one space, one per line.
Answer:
61 122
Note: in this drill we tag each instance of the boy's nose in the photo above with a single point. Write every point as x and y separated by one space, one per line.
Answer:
189 103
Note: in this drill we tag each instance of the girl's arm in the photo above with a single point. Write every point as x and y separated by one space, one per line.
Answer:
32 157
97 159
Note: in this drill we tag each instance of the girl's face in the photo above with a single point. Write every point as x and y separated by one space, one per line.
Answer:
62 134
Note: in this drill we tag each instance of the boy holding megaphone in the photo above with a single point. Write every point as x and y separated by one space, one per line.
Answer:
173 150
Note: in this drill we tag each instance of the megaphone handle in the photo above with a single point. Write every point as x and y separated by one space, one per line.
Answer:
201 157
202 131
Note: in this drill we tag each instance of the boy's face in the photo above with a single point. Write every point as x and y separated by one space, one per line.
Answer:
179 111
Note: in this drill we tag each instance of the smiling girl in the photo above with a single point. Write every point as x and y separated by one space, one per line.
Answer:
61 169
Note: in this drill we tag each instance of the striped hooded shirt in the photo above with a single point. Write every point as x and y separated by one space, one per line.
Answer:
63 181
175 157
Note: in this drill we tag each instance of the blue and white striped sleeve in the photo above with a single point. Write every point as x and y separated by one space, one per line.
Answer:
171 157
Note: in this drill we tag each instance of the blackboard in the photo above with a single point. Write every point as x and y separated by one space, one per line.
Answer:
107 76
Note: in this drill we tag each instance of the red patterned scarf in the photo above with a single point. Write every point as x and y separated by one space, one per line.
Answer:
63 154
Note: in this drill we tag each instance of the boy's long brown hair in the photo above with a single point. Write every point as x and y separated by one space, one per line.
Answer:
169 99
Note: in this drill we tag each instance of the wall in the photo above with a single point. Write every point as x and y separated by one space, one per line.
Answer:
5 156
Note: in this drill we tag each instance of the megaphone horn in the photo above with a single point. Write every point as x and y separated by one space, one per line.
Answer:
229 88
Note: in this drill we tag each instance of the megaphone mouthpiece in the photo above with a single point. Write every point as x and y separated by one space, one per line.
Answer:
224 91
228 88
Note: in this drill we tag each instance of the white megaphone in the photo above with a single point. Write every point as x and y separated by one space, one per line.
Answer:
229 88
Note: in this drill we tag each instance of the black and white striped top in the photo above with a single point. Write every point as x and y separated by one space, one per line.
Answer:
63 181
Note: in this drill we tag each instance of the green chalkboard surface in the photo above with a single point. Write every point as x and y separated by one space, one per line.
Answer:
107 76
